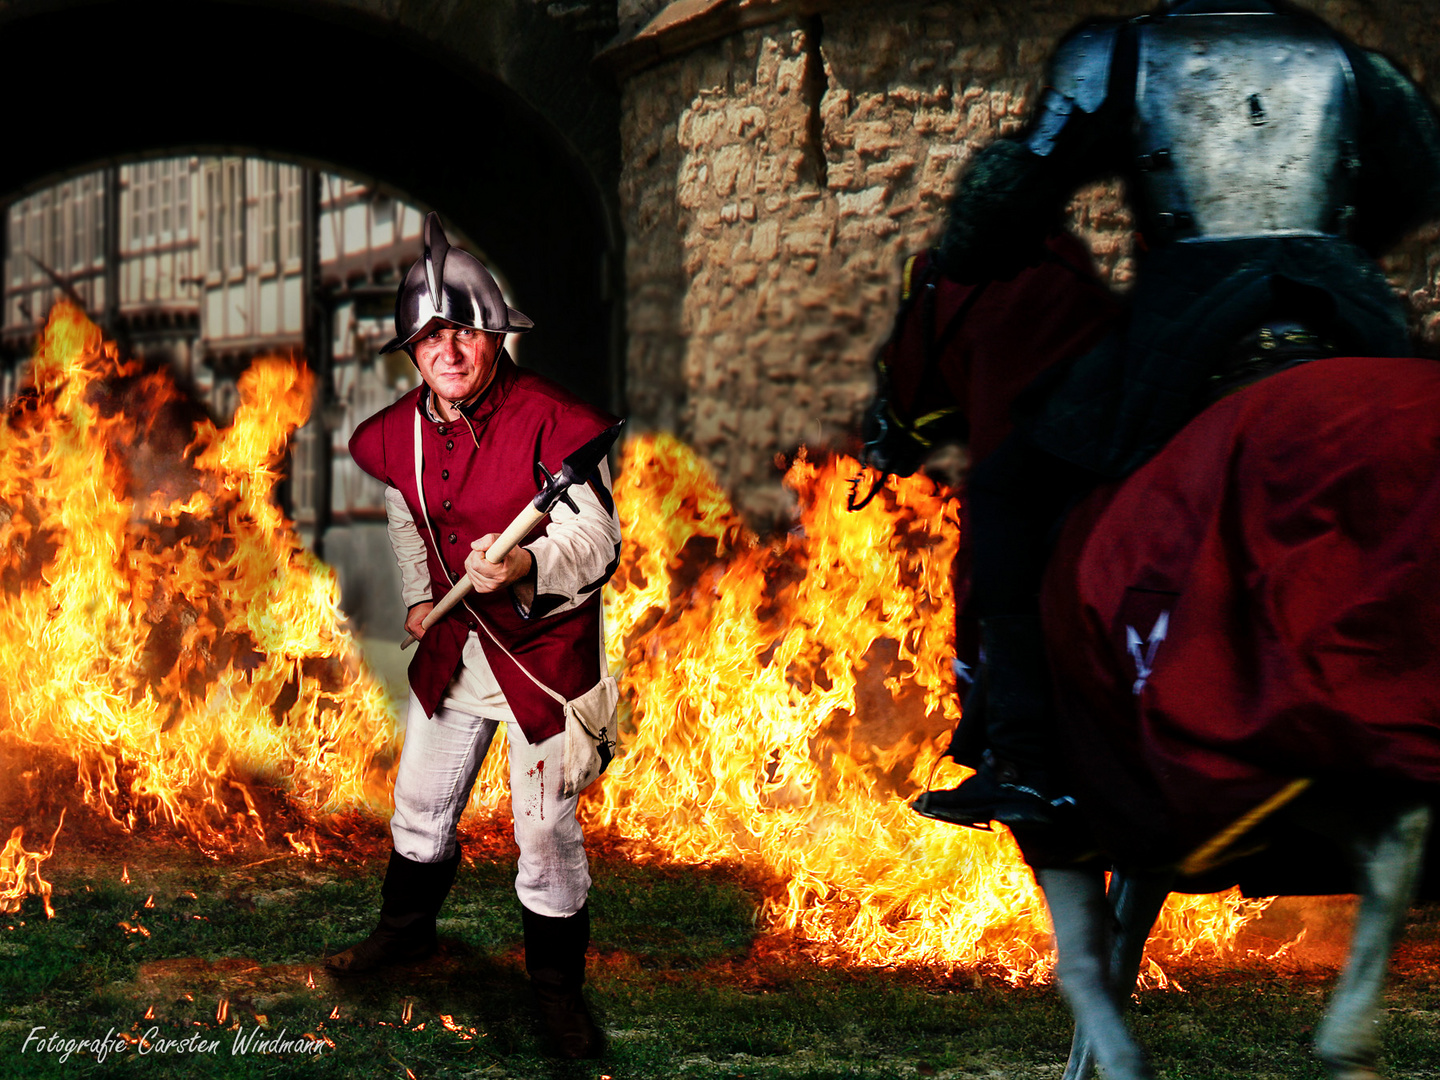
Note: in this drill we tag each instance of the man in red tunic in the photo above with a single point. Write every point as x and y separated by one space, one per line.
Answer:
458 458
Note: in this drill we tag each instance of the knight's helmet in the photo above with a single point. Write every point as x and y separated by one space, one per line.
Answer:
451 284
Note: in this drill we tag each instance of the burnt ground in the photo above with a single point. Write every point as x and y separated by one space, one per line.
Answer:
211 947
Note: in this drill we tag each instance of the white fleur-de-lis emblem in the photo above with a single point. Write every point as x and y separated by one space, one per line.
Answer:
1145 661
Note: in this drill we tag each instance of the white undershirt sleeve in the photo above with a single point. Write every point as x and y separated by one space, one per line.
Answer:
409 548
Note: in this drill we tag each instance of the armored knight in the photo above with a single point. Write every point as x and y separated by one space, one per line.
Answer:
1268 161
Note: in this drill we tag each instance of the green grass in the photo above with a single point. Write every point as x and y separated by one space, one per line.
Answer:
680 979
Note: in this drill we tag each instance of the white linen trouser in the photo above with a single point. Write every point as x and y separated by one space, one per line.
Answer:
438 764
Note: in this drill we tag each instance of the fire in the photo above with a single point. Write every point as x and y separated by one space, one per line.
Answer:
162 627
465 1033
790 696
20 872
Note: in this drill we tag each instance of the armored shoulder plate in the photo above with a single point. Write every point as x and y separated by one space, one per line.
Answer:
1079 78
1080 68
1245 127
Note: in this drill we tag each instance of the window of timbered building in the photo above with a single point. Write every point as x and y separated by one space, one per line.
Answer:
225 206
16 271
152 201
294 212
215 209
55 249
133 191
79 228
34 238
269 214
182 198
235 213
97 222
382 216
40 246
167 198
64 220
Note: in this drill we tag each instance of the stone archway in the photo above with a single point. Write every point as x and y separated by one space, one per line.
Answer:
480 112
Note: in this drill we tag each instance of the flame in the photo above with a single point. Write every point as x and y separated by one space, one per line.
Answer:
788 697
20 872
304 842
161 624
466 1033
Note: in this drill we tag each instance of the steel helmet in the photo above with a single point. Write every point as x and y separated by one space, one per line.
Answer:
450 284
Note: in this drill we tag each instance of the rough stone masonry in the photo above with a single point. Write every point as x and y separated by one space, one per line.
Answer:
776 175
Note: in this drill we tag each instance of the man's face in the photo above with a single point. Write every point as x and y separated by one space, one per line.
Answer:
455 361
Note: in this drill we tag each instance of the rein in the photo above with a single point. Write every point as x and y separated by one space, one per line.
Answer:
887 420
890 438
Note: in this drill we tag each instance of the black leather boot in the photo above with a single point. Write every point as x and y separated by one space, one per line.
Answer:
1012 785
555 960
411 898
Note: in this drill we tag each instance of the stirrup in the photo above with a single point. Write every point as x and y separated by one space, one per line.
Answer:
984 798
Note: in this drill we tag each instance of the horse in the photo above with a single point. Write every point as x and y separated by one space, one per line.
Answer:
1242 634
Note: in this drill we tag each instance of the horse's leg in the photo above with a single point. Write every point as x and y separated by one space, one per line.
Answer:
1080 915
1388 860
1135 901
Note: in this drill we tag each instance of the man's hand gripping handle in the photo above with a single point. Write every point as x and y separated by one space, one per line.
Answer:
576 469
495 554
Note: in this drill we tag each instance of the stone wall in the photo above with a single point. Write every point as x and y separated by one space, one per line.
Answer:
774 180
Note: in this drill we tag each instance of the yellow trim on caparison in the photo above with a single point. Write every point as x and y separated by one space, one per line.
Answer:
1209 854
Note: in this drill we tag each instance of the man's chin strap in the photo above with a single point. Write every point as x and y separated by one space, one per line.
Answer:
465 416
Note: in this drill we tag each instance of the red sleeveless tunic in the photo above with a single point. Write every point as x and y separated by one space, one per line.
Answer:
471 491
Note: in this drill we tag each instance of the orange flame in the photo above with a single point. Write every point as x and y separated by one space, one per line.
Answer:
161 623
466 1033
20 872
304 842
788 699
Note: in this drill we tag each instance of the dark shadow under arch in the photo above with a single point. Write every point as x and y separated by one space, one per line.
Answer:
95 82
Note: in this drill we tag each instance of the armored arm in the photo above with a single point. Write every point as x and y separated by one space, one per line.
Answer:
1398 185
1012 194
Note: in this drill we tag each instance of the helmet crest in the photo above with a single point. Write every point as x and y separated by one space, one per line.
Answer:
437 246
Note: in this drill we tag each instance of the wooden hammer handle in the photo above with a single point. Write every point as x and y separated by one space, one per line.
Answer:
494 554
